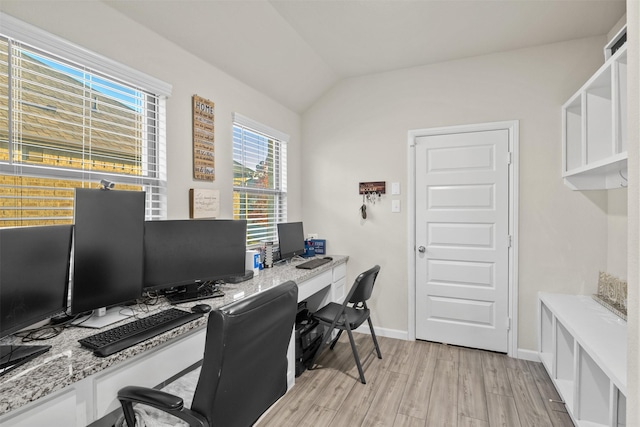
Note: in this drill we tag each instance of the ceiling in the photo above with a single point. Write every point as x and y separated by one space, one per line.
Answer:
295 50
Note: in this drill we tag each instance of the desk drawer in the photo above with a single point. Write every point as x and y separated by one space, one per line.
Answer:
59 410
149 370
315 284
339 272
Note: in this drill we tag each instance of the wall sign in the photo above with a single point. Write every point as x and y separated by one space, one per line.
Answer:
204 203
203 147
378 187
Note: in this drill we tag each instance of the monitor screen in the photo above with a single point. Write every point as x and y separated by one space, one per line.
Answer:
290 239
34 275
108 248
183 252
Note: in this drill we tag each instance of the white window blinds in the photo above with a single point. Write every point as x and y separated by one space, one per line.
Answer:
65 125
260 183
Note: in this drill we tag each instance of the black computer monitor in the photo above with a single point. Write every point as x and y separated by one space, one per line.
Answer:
290 239
34 277
185 252
108 260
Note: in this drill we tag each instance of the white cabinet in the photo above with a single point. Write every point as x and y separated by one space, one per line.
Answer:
583 347
594 124
57 410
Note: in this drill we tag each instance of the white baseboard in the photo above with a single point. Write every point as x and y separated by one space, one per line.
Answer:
530 355
384 332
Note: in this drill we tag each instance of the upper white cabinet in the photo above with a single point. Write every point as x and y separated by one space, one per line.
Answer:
594 125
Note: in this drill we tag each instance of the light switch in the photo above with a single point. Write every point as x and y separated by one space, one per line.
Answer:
395 205
395 188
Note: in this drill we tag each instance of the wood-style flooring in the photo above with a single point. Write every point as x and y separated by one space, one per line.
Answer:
419 384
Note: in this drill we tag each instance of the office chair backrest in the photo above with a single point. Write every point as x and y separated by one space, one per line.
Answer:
363 286
244 370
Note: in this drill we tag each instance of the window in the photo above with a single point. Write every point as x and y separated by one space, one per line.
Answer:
259 178
69 118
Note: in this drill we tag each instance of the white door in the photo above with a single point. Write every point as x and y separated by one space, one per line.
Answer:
462 238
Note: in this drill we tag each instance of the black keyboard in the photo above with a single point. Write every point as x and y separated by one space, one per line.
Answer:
124 336
313 263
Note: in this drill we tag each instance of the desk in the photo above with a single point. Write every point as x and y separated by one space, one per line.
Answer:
69 386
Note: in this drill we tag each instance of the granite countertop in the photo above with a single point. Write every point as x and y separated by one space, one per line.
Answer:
67 362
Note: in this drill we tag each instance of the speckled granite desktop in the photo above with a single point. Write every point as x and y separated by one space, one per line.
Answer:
67 362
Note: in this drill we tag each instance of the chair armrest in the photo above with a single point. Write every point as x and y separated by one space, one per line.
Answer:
161 400
151 397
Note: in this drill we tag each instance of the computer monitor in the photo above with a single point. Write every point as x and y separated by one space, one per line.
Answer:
290 239
34 277
186 252
108 260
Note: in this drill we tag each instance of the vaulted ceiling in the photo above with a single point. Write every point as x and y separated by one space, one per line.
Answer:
295 50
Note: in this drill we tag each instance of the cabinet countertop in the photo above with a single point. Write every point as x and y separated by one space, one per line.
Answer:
602 334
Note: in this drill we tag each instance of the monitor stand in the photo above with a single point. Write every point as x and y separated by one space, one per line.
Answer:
101 317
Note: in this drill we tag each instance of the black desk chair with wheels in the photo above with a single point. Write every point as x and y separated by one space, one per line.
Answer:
244 370
344 317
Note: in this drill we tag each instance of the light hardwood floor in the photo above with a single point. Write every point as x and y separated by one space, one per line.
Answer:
419 384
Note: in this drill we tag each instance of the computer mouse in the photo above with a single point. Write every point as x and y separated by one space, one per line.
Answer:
329 258
201 308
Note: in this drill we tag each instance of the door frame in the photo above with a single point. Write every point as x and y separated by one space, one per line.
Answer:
512 126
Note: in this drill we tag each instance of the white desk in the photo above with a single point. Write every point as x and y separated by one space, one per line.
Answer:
69 386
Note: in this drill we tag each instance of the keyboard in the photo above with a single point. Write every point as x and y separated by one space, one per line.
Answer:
113 340
205 292
313 263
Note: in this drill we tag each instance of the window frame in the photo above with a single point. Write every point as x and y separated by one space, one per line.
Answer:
279 213
153 178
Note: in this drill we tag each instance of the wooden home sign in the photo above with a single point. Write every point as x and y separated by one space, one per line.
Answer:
203 147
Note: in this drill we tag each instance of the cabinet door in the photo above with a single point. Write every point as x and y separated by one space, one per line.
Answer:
56 411
151 369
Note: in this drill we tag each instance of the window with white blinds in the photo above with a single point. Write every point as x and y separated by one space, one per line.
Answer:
259 179
64 124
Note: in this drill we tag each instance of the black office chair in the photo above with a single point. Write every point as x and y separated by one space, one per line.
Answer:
244 370
344 317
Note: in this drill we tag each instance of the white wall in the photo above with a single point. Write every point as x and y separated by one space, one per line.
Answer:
99 28
358 132
617 219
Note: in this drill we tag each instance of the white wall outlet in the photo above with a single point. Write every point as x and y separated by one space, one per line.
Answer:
312 235
395 205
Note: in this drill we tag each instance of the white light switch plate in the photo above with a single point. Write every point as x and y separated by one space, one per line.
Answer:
395 188
395 205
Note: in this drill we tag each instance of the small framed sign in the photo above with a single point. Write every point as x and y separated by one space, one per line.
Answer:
204 203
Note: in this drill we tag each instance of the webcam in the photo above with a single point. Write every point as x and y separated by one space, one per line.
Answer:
106 185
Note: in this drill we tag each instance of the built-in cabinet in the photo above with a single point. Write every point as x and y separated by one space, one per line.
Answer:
583 347
594 123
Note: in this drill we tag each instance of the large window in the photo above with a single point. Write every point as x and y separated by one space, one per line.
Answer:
259 178
68 119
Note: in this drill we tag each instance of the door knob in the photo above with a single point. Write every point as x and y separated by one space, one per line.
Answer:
422 249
